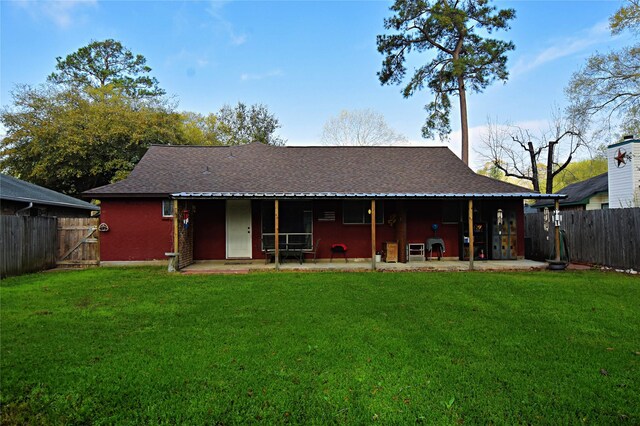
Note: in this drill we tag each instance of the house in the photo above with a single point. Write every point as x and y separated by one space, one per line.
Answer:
18 197
624 173
224 202
618 188
589 194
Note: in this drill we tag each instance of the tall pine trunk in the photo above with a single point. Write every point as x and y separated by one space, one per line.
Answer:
463 120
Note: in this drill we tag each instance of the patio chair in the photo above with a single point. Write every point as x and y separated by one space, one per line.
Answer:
339 249
315 250
268 246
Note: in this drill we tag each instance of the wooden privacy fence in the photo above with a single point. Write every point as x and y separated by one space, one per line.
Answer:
609 237
78 243
27 244
30 244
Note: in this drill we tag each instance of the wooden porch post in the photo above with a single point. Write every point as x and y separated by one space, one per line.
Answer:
277 236
174 260
176 239
557 239
373 235
402 232
470 235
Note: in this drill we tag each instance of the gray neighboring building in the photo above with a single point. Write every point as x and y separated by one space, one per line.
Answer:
589 194
26 199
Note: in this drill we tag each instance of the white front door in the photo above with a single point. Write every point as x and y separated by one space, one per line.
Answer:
238 229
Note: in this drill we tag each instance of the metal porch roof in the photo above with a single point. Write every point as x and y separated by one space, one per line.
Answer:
274 195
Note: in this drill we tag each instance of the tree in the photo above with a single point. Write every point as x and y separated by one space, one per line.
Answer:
608 86
67 141
359 128
199 129
244 124
518 152
464 59
578 171
237 125
90 124
103 63
626 18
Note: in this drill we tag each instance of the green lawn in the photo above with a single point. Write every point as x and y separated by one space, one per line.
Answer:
137 345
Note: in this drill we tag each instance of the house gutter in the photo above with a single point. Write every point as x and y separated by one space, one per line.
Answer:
24 209
53 203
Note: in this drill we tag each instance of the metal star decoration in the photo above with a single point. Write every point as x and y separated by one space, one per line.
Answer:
621 158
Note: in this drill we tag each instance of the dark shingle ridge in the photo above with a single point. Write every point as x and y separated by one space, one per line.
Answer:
259 168
579 192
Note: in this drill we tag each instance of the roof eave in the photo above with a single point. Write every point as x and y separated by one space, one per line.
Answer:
281 195
99 196
49 203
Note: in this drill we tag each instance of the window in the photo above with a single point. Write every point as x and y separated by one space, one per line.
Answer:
604 205
357 213
167 208
295 222
450 212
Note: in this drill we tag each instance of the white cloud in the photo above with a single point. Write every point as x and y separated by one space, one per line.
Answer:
62 13
189 58
563 47
215 11
270 74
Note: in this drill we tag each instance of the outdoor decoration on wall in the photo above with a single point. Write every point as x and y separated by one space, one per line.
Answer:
621 158
185 218
103 227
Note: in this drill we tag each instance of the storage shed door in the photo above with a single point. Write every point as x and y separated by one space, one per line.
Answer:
238 229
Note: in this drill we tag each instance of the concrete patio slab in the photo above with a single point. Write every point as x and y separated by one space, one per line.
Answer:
231 267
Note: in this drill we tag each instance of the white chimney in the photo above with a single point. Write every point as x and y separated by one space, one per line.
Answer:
623 159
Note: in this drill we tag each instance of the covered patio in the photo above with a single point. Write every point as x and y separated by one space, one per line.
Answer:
253 204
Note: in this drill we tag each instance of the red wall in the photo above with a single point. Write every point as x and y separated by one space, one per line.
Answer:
421 215
137 230
356 237
209 238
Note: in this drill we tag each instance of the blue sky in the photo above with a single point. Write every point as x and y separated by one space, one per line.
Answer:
305 60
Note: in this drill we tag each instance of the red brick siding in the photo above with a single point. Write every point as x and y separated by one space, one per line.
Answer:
137 230
185 234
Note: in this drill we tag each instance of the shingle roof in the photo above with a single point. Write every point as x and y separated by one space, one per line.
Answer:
19 190
580 192
262 169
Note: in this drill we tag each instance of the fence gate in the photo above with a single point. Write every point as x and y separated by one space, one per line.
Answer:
78 242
